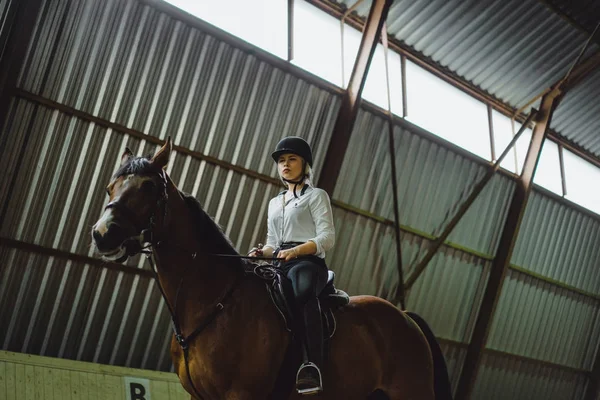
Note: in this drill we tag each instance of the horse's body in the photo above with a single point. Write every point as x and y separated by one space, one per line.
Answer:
239 354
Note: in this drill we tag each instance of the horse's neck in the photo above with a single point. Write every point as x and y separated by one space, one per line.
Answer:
186 261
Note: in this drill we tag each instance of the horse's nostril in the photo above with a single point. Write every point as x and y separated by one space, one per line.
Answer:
111 239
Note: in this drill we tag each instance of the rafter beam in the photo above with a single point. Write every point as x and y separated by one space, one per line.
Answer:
582 71
506 245
352 96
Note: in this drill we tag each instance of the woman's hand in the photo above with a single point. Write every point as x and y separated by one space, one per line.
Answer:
257 251
288 254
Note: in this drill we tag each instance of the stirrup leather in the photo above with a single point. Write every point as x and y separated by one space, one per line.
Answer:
309 390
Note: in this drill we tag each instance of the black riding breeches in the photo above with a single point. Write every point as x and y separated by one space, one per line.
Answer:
308 277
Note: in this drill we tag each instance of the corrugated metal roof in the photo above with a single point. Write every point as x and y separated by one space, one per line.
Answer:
512 50
577 114
585 13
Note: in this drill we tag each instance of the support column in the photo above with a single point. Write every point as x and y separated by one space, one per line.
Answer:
290 30
508 239
351 98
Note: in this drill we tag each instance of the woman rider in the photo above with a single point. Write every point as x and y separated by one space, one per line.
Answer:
300 230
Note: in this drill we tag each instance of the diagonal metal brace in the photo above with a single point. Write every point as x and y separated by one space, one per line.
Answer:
477 189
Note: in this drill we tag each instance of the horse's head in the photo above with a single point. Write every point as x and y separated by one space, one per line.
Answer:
137 201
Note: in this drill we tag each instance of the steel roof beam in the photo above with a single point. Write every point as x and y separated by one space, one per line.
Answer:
506 245
582 71
352 96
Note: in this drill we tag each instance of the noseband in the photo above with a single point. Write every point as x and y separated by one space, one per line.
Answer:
147 242
141 243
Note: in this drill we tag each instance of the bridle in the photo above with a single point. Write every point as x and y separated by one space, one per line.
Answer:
147 243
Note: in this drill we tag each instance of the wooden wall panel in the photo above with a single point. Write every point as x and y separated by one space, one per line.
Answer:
28 377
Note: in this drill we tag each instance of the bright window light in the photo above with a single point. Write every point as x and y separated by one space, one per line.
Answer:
317 39
432 103
547 173
260 22
504 131
582 180
503 134
446 111
375 89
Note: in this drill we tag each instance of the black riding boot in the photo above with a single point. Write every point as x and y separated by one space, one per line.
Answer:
308 379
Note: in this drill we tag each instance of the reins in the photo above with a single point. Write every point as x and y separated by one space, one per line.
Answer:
147 244
184 341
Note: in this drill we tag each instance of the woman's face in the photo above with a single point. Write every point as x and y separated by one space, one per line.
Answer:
290 166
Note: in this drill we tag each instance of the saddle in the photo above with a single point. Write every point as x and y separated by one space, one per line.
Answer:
281 294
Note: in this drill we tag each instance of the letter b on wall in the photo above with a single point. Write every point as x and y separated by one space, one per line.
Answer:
137 389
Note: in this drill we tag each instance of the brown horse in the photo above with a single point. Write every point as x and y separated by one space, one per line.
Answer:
230 342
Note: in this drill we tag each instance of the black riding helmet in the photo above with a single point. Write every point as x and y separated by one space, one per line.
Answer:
294 145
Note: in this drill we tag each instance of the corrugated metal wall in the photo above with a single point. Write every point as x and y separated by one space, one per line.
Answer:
535 319
560 242
152 81
502 378
103 75
7 8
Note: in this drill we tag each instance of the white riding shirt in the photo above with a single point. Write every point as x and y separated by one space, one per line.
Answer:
308 217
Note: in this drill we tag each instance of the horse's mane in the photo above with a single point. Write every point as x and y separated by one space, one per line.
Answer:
207 229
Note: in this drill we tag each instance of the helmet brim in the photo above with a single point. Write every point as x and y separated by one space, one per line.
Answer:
276 154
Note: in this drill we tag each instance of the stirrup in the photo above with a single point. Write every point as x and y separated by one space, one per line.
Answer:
311 389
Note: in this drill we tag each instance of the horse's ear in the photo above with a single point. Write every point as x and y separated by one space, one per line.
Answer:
127 154
161 158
